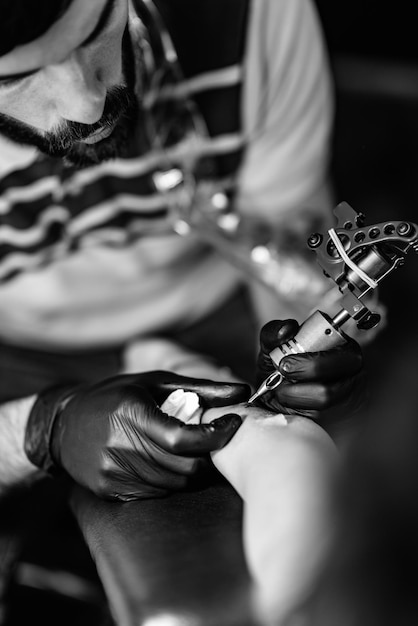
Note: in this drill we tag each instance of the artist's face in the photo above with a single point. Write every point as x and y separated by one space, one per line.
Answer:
69 92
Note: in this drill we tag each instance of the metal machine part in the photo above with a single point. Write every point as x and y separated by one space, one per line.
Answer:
357 258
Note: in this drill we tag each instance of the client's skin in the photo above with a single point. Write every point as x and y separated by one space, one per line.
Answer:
282 467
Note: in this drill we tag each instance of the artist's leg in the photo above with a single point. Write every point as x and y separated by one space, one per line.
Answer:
227 338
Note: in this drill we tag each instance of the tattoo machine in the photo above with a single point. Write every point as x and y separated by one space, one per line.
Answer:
357 258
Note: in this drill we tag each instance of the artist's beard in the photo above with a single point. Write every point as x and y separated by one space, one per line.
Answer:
121 111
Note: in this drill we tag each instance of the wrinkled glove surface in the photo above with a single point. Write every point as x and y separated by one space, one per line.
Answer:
113 438
314 382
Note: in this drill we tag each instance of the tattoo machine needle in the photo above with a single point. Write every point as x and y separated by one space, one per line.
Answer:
270 383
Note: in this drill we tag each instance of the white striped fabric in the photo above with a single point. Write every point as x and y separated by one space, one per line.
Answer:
79 264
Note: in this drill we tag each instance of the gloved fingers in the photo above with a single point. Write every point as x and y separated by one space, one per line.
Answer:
176 437
126 475
315 395
130 491
156 468
156 437
160 384
272 335
217 394
276 332
326 366
150 459
140 415
271 402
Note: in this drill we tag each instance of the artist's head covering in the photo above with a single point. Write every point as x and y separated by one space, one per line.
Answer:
22 21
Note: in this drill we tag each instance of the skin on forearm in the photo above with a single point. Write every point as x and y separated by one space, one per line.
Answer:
15 468
267 438
282 467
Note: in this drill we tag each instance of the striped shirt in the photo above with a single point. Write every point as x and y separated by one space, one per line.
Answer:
88 258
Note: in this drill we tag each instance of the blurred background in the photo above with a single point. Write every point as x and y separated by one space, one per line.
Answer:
374 58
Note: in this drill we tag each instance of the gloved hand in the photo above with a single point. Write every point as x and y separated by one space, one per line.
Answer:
314 381
112 438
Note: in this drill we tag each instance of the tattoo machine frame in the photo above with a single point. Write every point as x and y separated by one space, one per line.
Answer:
357 258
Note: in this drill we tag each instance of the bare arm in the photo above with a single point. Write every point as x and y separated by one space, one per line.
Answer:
282 468
15 468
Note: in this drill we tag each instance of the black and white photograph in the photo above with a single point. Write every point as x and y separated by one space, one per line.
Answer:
208 348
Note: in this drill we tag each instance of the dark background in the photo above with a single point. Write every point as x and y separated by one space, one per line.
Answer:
374 58
370 28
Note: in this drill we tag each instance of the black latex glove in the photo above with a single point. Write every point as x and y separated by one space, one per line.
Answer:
314 381
112 438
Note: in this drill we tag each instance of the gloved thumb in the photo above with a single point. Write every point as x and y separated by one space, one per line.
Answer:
277 332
